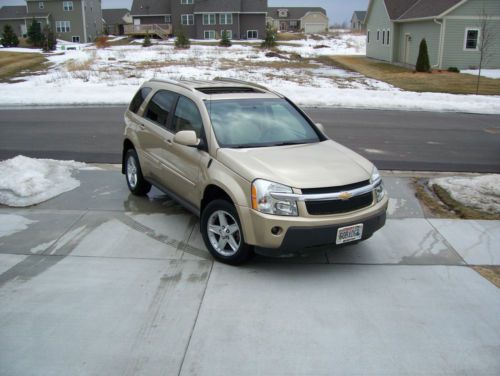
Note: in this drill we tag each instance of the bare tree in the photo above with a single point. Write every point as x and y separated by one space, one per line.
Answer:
485 40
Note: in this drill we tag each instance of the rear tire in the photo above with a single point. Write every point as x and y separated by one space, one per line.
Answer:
133 173
222 233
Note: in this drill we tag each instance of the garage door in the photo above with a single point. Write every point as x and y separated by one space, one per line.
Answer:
314 27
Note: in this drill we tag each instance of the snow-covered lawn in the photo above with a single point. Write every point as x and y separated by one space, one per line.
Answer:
490 73
112 76
479 192
26 181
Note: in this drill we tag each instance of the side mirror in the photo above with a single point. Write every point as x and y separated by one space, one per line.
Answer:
186 138
320 127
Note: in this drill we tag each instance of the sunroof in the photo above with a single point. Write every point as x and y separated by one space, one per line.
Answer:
227 90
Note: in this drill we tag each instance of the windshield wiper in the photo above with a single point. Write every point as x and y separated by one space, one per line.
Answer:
287 143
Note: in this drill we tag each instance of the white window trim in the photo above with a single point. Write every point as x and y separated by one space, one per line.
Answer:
467 29
208 31
383 37
226 15
169 19
75 36
61 23
387 37
41 5
187 19
187 2
256 33
69 3
378 34
210 17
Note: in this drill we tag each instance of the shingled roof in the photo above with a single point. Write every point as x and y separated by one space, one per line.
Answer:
294 13
13 12
360 14
114 16
400 10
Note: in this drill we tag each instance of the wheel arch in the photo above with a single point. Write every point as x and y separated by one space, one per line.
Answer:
127 145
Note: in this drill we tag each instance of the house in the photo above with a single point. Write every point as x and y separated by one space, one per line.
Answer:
358 20
451 29
306 19
75 21
200 19
115 20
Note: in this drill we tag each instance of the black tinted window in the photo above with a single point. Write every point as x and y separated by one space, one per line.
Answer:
187 117
139 99
159 107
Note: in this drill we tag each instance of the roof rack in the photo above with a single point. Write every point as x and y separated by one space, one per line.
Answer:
173 82
234 80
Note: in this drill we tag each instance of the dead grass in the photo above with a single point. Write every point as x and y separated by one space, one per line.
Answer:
17 64
437 202
406 79
491 273
76 66
290 36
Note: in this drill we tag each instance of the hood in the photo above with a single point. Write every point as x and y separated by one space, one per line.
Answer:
318 165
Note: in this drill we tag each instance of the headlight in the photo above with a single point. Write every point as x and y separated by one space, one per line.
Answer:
263 201
379 188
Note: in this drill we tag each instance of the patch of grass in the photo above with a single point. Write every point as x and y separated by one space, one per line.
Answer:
491 273
76 66
406 79
290 36
431 204
462 211
17 64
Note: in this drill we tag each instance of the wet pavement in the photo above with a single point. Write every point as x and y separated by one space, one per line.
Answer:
97 281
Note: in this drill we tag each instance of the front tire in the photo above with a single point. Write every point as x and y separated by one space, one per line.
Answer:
135 181
222 233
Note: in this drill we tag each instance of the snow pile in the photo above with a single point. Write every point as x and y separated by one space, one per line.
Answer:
478 192
490 73
25 181
344 44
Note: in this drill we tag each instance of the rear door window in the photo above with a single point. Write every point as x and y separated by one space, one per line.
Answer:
160 106
139 98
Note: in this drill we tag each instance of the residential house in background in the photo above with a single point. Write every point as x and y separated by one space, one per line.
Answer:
451 29
306 19
358 20
115 20
200 19
74 21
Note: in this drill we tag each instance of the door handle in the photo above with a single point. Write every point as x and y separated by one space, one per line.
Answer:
142 125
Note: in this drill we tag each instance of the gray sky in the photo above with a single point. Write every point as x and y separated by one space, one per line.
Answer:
338 10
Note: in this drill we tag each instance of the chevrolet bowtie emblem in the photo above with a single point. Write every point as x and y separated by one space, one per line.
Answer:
344 196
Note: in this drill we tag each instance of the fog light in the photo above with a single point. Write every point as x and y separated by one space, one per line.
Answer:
276 230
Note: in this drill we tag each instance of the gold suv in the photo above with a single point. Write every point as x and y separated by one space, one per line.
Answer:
260 174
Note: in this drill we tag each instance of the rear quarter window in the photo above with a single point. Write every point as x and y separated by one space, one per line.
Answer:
139 98
160 106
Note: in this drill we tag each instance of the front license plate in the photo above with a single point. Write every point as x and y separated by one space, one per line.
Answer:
349 233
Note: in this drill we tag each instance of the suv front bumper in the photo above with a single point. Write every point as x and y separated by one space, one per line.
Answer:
298 233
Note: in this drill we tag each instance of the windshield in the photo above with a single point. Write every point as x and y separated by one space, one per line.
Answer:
247 123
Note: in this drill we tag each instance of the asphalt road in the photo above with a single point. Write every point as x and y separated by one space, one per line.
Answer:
393 140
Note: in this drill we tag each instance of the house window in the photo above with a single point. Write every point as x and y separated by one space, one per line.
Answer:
471 39
187 2
293 23
252 34
368 36
388 37
76 39
208 19
41 5
383 36
226 18
187 19
209 34
63 26
168 19
67 6
378 34
228 32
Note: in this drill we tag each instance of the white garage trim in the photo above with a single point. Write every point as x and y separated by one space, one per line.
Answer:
314 27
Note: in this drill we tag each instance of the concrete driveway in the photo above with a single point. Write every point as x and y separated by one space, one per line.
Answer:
98 282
